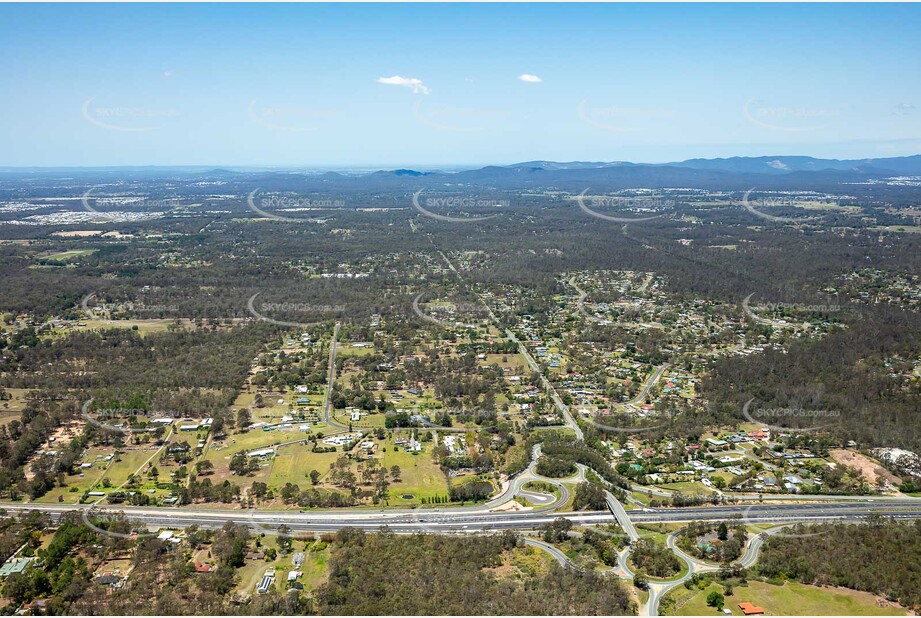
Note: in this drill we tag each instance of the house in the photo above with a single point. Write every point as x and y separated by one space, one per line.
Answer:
14 565
750 610
203 567
107 579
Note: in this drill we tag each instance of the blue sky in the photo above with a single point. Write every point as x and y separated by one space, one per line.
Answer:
439 85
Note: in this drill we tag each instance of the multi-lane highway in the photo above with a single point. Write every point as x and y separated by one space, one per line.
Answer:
480 519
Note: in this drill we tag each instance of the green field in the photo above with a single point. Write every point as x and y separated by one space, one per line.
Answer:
293 464
144 327
116 471
420 476
63 256
790 599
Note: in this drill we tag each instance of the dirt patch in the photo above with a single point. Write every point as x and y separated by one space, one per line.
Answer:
511 505
57 441
870 469
77 233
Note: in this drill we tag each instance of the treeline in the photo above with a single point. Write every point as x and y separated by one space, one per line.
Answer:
188 373
20 438
715 542
421 574
841 374
563 450
881 556
470 491
653 559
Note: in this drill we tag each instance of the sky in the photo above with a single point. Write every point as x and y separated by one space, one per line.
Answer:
427 86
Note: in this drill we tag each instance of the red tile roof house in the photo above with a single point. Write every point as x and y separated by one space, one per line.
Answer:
203 567
750 610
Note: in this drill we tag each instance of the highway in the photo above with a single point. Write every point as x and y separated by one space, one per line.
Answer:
476 519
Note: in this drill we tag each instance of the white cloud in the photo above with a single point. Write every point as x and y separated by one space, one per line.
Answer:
531 79
409 82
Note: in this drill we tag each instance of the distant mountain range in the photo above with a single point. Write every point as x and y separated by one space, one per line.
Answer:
778 172
778 164
734 173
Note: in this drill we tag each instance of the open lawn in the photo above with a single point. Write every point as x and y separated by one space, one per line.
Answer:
420 476
790 599
63 256
144 327
116 471
293 464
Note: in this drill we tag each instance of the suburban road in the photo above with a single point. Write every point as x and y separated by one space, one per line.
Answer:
659 588
532 364
328 401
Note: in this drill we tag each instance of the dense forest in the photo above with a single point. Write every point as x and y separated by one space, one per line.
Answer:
430 575
879 556
367 574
